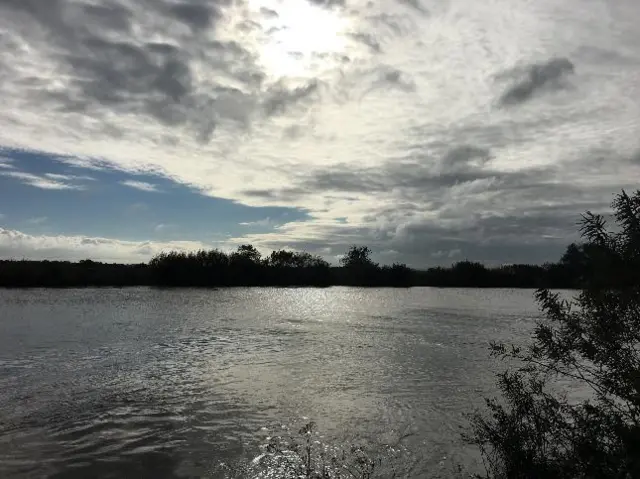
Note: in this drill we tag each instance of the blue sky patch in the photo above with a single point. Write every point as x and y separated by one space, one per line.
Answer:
41 195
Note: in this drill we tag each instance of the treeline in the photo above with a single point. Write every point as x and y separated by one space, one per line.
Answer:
247 267
65 274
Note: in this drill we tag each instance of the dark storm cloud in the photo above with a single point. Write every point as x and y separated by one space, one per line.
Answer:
535 78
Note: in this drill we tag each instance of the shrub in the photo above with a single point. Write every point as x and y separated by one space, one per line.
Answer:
535 430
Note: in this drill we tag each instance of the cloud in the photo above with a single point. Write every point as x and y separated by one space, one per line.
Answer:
161 228
281 97
261 223
458 165
268 12
85 163
37 221
107 56
59 177
385 78
18 245
415 5
329 3
414 130
196 16
141 185
42 182
6 163
367 39
446 254
535 78
455 201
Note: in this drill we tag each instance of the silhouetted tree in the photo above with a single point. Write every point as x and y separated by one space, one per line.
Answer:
359 268
357 257
396 275
536 431
246 254
282 259
246 267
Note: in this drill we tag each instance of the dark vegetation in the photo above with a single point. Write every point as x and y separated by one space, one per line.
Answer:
246 267
591 344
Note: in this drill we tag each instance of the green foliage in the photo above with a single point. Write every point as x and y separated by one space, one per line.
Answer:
591 343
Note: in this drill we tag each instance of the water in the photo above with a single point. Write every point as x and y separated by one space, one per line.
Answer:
164 383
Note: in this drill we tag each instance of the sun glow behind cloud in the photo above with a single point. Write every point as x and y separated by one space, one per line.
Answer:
302 39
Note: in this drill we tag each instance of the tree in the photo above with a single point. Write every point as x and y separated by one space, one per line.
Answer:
282 259
246 254
592 342
357 257
469 273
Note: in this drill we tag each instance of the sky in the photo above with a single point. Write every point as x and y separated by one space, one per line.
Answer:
431 131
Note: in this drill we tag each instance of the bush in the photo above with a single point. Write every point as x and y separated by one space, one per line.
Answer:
535 430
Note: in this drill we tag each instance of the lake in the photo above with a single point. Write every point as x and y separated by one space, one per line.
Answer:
164 383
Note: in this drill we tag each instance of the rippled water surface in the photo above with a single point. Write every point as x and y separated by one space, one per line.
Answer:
164 383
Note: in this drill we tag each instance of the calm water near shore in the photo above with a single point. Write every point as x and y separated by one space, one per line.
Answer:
170 383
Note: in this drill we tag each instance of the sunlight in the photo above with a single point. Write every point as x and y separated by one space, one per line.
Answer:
302 39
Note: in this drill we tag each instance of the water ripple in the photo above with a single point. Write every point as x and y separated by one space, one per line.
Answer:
171 385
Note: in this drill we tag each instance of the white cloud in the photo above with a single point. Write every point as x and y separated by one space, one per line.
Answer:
141 185
261 223
42 182
58 177
6 163
364 113
37 221
17 245
160 228
446 254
